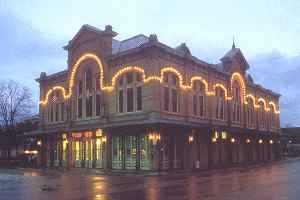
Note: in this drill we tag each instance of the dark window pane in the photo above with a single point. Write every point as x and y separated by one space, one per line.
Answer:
89 106
121 81
238 113
195 85
195 104
129 78
233 112
98 105
51 112
62 111
120 106
56 112
217 108
174 100
174 79
138 77
129 99
88 79
222 110
97 82
79 107
201 105
166 98
202 87
79 87
139 98
166 78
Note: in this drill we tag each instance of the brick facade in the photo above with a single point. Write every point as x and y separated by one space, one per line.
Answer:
146 96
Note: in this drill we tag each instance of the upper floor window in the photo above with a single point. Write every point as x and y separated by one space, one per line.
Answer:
88 80
236 103
79 87
273 117
56 108
220 104
198 99
261 115
170 92
79 99
129 93
250 113
88 89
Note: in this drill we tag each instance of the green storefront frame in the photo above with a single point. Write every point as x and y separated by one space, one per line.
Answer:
131 152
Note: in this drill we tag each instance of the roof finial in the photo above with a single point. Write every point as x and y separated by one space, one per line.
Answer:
233 43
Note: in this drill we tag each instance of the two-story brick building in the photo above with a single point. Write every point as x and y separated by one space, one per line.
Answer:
140 104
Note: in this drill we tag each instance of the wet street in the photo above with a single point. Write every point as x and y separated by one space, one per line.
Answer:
278 181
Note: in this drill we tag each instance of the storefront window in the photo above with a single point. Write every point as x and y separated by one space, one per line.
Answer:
130 152
117 152
89 153
77 149
65 153
145 153
99 163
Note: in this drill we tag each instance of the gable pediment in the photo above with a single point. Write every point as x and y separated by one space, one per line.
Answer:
235 59
87 32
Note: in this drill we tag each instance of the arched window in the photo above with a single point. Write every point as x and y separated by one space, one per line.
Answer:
55 108
129 93
220 103
170 92
273 117
98 95
236 103
88 93
79 98
261 115
250 113
199 99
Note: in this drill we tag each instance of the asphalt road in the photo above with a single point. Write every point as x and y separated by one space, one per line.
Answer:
280 180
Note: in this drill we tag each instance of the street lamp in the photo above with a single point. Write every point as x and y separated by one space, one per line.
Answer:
232 140
191 139
39 143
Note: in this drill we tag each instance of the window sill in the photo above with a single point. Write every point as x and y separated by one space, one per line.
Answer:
129 113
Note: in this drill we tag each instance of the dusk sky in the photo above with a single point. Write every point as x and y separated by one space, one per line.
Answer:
34 31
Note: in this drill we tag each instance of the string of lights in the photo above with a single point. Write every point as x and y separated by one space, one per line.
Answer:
109 88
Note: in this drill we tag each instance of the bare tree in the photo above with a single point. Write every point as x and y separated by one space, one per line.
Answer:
15 103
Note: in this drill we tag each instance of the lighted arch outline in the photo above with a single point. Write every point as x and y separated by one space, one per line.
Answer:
219 85
72 76
251 96
271 103
237 76
152 78
264 102
58 88
202 80
77 64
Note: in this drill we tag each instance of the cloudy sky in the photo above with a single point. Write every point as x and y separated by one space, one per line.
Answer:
34 31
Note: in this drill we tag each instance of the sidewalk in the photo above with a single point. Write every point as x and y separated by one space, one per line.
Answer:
203 172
